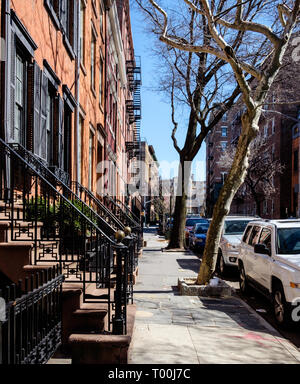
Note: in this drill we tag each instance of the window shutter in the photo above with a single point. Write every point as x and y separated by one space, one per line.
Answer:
60 133
63 14
12 86
30 108
43 126
36 109
75 26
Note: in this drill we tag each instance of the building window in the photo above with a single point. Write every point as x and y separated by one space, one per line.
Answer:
273 125
49 125
223 145
224 131
223 176
80 132
91 157
20 121
224 117
93 60
296 160
101 81
265 131
67 139
82 29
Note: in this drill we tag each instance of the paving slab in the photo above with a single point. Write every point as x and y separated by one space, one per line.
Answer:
174 329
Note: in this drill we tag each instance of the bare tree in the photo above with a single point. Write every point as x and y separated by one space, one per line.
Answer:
221 26
199 82
259 181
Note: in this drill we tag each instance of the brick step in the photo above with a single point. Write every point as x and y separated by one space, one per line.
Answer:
13 257
102 348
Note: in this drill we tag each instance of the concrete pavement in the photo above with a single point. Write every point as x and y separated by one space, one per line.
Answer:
173 329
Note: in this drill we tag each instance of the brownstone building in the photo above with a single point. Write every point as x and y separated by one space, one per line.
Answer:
69 100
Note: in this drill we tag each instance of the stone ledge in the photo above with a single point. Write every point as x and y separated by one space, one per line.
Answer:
187 288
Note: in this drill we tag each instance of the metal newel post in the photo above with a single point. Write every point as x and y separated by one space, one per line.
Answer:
118 320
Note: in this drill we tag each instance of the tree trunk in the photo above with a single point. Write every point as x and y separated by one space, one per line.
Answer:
177 239
232 183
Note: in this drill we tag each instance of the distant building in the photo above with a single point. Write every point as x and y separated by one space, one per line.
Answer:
282 130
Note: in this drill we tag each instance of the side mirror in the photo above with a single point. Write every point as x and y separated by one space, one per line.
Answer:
262 249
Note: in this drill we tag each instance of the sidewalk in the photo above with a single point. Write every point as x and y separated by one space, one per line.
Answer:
173 329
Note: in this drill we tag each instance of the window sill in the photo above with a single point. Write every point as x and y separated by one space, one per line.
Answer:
69 47
94 92
94 8
82 67
52 14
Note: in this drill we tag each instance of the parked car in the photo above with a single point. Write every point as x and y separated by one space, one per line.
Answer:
189 224
269 261
198 236
231 237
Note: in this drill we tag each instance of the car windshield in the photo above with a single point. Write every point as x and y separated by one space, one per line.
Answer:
235 227
192 222
203 228
288 240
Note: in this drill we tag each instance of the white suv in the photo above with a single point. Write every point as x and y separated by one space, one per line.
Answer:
269 260
231 237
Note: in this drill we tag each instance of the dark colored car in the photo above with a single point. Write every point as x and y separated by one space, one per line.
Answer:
189 224
198 236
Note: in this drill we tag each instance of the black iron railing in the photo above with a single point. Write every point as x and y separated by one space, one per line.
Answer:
31 331
92 201
127 217
62 228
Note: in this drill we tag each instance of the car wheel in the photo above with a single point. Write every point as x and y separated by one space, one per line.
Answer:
222 267
244 286
282 311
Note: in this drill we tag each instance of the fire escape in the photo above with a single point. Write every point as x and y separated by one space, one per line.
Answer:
133 109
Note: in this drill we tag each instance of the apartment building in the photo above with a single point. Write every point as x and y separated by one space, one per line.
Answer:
279 127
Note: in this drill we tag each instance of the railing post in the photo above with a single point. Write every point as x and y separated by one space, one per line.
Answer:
119 319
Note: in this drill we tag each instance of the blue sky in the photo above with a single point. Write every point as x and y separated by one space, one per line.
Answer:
156 124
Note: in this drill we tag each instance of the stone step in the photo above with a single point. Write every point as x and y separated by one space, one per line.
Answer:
6 211
103 348
32 269
13 257
22 230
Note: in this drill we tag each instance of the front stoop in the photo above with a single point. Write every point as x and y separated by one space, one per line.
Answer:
103 348
13 257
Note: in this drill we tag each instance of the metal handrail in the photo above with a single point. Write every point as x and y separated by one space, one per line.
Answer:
112 218
129 212
42 168
129 219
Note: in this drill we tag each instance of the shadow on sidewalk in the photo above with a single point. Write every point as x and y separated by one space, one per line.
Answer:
189 264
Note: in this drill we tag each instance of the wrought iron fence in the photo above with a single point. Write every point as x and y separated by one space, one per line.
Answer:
31 332
62 228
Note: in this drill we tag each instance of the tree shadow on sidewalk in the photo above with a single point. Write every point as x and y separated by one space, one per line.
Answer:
189 264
